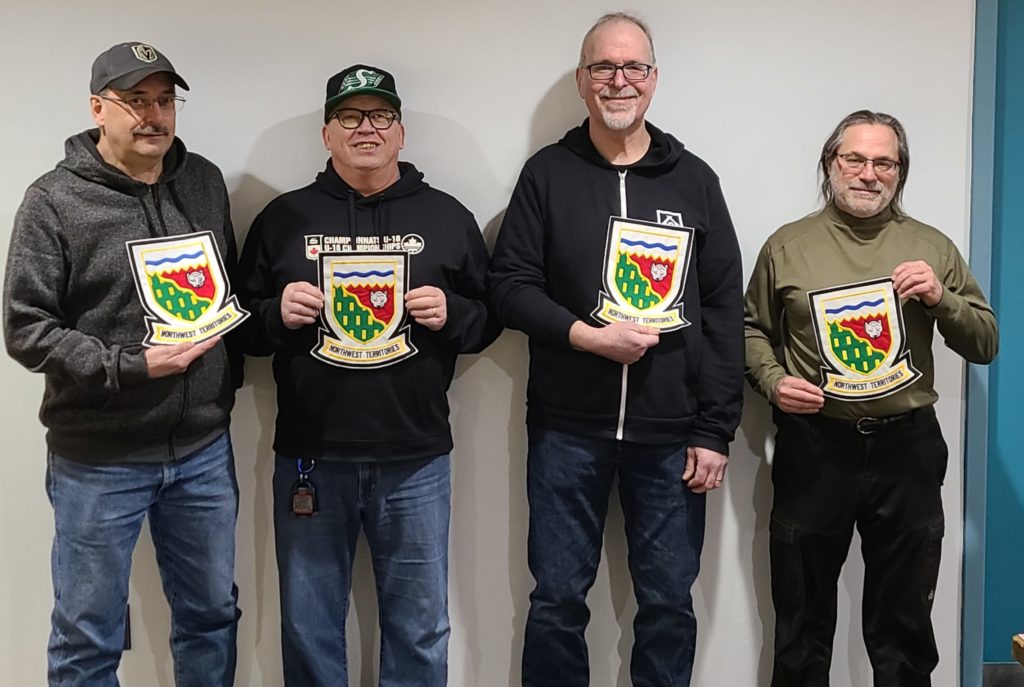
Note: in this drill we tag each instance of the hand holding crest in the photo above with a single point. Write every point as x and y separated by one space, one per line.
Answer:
623 342
164 361
795 395
301 303
428 306
917 278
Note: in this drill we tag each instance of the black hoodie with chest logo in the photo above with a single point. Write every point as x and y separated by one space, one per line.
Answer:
549 271
339 409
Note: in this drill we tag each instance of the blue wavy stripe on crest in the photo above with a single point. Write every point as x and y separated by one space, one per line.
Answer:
186 256
858 306
647 245
371 273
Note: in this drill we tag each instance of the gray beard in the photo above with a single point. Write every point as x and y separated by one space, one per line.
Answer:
855 207
618 121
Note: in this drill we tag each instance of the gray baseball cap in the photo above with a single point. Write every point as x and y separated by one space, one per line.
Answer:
126 64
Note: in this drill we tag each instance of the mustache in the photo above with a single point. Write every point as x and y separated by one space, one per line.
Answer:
626 91
150 130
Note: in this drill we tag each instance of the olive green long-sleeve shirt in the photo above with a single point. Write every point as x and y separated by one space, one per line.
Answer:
821 294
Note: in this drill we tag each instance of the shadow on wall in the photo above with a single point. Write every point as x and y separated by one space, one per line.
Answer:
559 110
750 485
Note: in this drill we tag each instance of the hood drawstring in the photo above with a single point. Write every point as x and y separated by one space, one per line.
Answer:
378 214
151 225
176 199
154 225
351 205
378 217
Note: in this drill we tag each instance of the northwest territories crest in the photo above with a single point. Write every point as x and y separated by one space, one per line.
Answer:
861 340
364 309
183 287
645 267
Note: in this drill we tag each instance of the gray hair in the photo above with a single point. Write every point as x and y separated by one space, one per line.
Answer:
835 139
615 17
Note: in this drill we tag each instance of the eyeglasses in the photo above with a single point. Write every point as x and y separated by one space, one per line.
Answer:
140 104
855 163
632 71
351 118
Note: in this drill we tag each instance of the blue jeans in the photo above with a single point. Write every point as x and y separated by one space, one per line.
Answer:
569 479
404 509
98 512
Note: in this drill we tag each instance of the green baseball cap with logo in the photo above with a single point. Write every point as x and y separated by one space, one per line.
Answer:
360 79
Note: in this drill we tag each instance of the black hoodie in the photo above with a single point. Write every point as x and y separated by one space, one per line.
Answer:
395 408
548 272
72 311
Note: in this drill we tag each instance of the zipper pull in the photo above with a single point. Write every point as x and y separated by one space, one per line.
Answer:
622 194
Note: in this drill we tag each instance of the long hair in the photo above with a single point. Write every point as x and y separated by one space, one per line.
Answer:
835 139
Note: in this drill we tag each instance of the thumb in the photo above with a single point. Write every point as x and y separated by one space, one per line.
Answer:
691 465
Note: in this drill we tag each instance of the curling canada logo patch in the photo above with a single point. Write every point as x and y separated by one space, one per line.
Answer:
861 339
645 266
183 287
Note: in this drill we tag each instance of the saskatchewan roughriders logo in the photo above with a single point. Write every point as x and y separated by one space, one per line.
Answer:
645 267
861 339
364 309
183 287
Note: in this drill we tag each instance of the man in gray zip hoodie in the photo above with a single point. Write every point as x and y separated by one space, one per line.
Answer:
117 291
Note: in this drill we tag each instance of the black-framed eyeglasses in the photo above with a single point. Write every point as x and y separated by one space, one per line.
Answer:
631 71
856 163
351 117
140 104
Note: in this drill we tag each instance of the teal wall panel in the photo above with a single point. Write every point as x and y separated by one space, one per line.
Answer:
1004 530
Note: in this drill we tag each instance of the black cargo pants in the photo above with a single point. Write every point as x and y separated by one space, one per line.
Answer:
884 476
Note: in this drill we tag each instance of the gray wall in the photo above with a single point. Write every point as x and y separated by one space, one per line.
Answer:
753 87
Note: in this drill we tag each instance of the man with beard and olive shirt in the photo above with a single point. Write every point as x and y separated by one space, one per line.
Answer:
852 295
618 259
137 427
365 286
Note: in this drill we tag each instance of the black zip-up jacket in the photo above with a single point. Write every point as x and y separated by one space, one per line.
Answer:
72 310
390 412
548 272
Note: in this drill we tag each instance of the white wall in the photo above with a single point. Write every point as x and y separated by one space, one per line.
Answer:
753 87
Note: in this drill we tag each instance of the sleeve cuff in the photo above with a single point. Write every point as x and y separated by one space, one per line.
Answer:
709 442
131 367
945 308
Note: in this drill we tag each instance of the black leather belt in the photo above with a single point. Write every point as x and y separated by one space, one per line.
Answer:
873 425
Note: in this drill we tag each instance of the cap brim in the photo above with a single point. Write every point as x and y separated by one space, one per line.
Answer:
332 103
132 79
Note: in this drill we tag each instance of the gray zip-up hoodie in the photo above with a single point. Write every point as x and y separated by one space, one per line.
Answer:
72 310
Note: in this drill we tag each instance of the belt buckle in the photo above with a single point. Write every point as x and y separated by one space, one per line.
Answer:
862 423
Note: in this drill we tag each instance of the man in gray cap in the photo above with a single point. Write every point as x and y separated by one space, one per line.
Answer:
116 290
